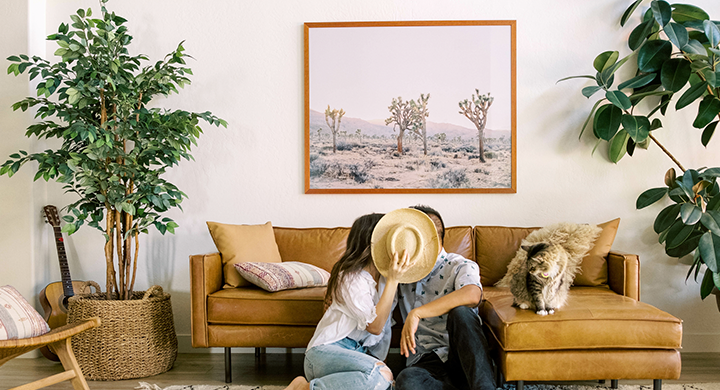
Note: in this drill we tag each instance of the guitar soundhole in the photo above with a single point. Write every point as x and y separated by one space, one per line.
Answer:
64 303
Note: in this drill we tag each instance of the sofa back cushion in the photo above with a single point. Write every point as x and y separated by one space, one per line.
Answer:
458 239
495 246
321 247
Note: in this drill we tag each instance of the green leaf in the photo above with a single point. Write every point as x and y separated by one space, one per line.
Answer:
618 145
677 234
709 247
653 54
68 229
637 126
607 121
690 214
589 91
692 94
629 11
694 47
687 246
605 60
708 110
675 74
711 220
577 77
707 284
711 77
619 99
582 129
81 12
708 133
656 124
677 34
639 34
650 196
712 33
684 13
661 11
638 81
666 218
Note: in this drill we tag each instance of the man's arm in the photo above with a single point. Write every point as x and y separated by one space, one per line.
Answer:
469 296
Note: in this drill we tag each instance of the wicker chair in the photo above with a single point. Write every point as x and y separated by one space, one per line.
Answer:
59 341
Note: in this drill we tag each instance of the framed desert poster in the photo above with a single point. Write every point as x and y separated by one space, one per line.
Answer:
410 107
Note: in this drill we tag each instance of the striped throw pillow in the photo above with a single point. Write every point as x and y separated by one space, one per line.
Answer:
283 276
18 320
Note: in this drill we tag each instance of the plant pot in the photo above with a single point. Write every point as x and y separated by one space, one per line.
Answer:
136 338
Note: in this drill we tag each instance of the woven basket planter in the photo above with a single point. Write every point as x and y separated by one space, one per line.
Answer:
136 339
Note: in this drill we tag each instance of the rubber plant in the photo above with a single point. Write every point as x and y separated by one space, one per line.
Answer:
113 149
675 57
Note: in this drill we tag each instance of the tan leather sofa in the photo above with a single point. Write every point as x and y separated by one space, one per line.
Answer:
603 332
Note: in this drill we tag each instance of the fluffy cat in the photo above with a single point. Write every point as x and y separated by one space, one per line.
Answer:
544 282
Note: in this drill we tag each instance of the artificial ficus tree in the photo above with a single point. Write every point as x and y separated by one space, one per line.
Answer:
114 148
335 116
476 110
676 62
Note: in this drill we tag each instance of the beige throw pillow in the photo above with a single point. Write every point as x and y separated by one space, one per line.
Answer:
594 266
241 244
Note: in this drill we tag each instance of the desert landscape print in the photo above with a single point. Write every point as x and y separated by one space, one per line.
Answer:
425 108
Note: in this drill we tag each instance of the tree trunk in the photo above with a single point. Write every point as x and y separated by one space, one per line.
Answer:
400 147
334 148
481 146
424 137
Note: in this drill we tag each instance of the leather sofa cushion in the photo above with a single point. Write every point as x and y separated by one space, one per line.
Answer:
253 305
320 247
495 246
458 239
593 318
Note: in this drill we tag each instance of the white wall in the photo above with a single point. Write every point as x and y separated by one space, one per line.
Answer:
249 71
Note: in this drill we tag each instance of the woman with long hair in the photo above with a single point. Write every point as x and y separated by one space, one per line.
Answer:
353 336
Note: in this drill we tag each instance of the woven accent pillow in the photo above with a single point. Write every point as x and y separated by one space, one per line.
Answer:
283 276
19 320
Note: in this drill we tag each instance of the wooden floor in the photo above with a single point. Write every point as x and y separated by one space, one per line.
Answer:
275 369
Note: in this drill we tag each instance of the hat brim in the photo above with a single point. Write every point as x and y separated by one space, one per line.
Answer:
421 226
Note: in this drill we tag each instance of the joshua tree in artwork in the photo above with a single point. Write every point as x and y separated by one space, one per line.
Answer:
336 117
476 110
403 116
419 126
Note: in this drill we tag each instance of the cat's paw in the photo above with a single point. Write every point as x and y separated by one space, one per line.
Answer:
541 312
551 311
524 306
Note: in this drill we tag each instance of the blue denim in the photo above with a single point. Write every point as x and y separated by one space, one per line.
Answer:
343 365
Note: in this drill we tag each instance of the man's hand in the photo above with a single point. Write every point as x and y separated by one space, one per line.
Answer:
407 342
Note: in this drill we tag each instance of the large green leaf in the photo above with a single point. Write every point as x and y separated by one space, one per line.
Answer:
677 234
653 54
637 126
605 60
684 13
619 99
694 47
639 34
677 34
675 74
666 217
638 81
707 284
687 246
711 220
690 214
692 94
708 133
618 145
650 196
607 121
710 250
589 91
712 33
662 12
629 11
711 77
708 110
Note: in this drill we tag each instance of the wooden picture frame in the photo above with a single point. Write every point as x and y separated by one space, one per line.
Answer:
448 87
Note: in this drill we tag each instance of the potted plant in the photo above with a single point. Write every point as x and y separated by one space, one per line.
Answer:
114 151
676 62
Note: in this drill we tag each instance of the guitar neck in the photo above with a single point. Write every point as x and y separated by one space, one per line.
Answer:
62 258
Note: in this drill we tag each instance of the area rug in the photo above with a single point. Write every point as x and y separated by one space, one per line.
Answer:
666 386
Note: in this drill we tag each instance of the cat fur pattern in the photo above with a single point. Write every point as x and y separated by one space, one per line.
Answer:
542 281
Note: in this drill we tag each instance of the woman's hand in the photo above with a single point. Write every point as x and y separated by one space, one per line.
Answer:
399 265
407 341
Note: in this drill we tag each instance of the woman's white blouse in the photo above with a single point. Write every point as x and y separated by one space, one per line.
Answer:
350 317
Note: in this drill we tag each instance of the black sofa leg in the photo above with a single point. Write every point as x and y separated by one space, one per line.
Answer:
228 366
613 383
257 352
657 384
601 381
520 385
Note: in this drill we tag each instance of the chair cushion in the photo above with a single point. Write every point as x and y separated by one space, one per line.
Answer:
592 318
253 305
458 239
593 269
321 247
283 276
19 320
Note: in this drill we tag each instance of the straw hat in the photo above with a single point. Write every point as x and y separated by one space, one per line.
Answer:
405 229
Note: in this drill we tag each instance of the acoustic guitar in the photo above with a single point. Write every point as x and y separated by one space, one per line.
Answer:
54 297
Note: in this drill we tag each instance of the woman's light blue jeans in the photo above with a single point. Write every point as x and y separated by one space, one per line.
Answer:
344 365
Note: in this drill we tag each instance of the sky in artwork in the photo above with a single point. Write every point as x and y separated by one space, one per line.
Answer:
361 69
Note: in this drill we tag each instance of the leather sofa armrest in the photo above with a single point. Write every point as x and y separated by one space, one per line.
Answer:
624 274
206 277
